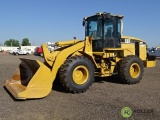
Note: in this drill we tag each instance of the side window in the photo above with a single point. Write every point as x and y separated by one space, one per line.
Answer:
95 29
92 27
109 29
119 29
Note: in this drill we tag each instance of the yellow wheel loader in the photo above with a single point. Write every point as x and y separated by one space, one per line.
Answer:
104 52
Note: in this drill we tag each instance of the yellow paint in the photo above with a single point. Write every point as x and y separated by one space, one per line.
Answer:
88 50
142 49
80 75
132 38
149 63
113 64
40 76
64 43
129 49
40 81
134 70
38 86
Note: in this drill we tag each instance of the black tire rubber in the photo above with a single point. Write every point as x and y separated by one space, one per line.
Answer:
124 69
66 71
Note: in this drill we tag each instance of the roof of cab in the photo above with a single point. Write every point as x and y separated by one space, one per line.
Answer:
101 13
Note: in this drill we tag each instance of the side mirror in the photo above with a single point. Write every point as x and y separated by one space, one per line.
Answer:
83 23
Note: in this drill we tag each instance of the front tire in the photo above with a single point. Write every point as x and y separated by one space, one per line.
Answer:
131 69
77 74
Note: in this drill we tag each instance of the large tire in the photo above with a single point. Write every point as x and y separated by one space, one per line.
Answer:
77 74
131 69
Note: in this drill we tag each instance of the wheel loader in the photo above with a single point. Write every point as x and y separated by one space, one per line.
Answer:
104 52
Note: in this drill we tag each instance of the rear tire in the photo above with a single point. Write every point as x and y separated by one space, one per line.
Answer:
131 69
77 74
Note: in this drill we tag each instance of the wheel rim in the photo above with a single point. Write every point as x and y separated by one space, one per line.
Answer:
80 74
134 70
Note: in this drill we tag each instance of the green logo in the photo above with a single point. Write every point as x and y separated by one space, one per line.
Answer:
126 112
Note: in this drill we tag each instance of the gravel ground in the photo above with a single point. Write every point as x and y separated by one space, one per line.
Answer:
104 100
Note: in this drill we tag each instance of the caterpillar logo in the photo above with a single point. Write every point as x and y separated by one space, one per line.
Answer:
127 41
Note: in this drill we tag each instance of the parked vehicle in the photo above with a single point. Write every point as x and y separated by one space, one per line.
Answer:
154 52
22 52
39 51
13 51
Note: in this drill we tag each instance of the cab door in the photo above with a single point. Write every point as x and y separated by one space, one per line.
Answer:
109 36
112 33
95 31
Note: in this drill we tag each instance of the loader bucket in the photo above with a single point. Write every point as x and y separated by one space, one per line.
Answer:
31 80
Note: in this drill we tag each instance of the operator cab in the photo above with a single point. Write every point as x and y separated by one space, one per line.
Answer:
105 30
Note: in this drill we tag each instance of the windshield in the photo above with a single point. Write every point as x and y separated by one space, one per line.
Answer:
94 28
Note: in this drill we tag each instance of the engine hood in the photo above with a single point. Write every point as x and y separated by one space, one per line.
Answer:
132 38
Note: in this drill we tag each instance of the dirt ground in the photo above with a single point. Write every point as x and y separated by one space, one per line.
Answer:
103 101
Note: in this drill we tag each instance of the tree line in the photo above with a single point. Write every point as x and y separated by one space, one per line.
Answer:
13 42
